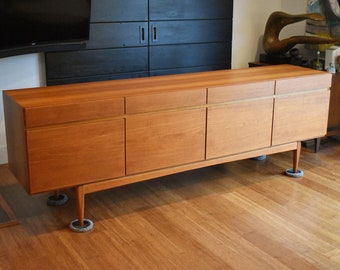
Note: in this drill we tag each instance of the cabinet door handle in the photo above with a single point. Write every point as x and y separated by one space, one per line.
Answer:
154 33
142 34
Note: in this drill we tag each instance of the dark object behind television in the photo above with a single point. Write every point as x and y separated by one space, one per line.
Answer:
30 26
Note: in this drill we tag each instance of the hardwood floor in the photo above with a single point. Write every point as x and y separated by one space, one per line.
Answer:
239 215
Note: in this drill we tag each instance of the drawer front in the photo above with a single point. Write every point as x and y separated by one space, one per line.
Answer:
239 92
300 117
165 101
239 127
67 156
164 140
66 113
304 83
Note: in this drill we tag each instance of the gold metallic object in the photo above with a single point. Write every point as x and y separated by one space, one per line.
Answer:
278 20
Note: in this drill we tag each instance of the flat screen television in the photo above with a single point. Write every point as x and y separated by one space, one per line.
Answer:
29 26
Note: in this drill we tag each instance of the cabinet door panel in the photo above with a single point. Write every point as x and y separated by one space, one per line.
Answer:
198 31
96 62
164 140
66 156
189 55
119 10
117 35
239 127
190 9
300 117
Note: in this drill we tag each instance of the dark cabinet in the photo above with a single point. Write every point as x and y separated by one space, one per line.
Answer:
133 38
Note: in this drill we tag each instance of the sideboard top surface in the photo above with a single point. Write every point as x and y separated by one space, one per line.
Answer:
72 93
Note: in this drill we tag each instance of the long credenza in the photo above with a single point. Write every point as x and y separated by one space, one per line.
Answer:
100 135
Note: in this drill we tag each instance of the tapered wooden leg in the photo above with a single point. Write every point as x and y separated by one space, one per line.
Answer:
81 224
296 157
295 172
80 202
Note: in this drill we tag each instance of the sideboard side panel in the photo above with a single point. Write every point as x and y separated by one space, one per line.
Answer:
16 140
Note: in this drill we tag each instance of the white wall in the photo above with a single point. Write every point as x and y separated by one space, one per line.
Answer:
250 18
249 21
18 72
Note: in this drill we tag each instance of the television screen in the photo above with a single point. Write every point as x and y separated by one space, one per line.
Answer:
35 25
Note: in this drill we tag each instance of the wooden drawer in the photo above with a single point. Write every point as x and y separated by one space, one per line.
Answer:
239 127
163 140
66 156
65 113
165 101
303 83
230 93
300 117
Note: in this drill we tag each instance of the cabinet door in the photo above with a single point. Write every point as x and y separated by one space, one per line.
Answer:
164 139
66 156
239 127
300 117
190 9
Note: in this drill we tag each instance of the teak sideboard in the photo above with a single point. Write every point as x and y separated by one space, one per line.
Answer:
100 135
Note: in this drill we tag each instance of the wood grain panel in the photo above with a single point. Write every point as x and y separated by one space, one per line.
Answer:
239 127
190 9
117 35
119 10
240 91
163 140
179 32
189 55
300 117
67 156
165 101
16 140
303 83
334 104
72 112
96 62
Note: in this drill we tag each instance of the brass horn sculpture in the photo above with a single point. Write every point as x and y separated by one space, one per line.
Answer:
272 45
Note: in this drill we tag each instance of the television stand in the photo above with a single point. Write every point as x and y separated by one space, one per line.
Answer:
101 135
